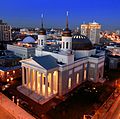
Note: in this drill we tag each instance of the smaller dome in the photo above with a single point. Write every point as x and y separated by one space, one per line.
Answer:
66 32
42 31
28 39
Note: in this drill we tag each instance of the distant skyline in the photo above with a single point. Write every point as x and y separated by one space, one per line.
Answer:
27 13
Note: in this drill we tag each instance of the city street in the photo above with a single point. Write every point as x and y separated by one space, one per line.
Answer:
4 114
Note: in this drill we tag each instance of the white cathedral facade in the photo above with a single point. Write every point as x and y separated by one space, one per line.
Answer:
51 74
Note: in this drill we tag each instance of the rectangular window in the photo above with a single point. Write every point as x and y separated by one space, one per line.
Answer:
69 83
66 45
13 71
85 74
7 73
77 79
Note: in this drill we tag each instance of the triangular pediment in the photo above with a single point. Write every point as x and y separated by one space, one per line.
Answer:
34 63
45 62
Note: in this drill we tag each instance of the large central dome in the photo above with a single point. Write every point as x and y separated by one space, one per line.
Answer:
81 42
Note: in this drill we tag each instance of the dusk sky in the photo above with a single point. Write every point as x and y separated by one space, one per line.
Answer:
27 12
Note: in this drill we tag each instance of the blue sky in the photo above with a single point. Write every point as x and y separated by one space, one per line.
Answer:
27 12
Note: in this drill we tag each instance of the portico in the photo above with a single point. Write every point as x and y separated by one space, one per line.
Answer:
39 79
43 83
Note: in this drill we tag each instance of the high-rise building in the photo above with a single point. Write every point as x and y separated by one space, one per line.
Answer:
5 31
92 31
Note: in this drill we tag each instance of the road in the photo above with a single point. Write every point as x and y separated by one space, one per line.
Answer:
4 114
116 114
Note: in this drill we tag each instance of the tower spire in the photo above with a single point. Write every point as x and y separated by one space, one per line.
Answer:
67 19
42 30
42 20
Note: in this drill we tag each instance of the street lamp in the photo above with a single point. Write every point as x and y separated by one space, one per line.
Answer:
13 98
18 102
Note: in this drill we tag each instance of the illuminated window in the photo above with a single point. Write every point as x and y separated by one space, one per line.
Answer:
7 80
7 73
77 80
13 72
69 83
11 78
85 74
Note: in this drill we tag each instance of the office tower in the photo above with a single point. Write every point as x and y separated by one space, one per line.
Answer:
5 31
92 31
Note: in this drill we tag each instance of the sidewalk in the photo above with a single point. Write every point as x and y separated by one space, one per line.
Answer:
13 109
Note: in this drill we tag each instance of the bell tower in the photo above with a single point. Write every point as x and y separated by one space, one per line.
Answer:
66 37
42 35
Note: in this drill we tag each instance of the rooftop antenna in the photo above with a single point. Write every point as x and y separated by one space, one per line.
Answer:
67 19
42 20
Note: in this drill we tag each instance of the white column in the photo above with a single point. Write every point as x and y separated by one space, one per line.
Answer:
51 83
46 85
23 76
41 84
62 46
65 45
35 78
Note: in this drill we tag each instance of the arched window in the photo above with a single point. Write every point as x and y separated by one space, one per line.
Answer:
66 45
41 42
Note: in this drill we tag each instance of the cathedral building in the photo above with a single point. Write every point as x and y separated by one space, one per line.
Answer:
56 73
